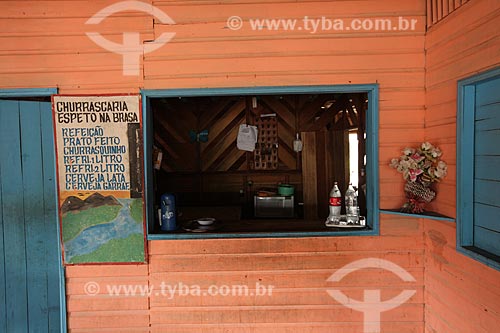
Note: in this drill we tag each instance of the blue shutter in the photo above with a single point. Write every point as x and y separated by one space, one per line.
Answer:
487 167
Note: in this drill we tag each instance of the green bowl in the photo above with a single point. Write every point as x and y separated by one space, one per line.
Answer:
286 189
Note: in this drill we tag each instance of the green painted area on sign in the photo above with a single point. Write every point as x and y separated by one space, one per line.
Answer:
136 210
130 249
76 222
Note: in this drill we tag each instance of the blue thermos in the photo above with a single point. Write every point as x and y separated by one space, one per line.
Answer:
168 212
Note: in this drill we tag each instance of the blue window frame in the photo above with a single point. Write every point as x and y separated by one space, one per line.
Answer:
478 165
372 193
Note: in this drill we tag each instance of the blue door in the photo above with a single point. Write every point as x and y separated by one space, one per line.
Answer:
31 283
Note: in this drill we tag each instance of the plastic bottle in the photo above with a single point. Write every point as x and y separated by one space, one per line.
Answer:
351 205
297 143
335 206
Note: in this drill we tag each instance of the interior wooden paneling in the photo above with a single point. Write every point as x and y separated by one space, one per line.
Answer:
214 171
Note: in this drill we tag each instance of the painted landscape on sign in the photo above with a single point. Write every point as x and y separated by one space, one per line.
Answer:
102 229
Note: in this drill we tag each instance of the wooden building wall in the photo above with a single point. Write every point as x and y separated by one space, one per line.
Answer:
205 54
448 285
43 44
297 268
462 44
101 312
461 294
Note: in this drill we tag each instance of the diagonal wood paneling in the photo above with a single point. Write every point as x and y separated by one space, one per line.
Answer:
222 124
224 144
221 116
172 122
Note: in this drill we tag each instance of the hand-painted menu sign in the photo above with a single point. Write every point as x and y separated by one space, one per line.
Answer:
99 162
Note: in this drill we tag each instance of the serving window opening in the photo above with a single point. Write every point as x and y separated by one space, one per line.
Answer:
278 180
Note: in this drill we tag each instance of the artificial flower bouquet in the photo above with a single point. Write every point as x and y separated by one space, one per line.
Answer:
420 167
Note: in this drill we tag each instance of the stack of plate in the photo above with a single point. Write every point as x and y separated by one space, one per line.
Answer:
203 224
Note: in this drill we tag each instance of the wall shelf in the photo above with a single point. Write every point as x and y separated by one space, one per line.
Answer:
424 215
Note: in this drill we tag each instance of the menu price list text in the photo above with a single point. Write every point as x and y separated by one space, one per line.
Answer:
93 160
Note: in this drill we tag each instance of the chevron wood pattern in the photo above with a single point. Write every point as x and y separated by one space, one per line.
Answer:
174 118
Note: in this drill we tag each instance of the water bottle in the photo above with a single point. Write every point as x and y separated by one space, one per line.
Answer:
168 215
335 206
351 206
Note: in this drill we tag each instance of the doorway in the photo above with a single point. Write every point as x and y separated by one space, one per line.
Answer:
31 274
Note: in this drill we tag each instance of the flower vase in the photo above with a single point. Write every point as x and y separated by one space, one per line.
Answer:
418 194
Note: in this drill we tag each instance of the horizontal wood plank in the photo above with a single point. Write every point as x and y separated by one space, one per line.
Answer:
109 319
280 314
339 326
486 167
486 192
487 239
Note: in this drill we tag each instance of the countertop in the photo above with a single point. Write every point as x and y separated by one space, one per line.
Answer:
253 226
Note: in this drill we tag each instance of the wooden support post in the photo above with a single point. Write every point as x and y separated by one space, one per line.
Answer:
322 172
341 158
309 176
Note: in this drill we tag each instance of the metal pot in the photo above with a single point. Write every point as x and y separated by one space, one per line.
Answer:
286 189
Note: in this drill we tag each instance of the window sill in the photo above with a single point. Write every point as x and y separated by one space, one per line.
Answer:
424 215
272 228
480 255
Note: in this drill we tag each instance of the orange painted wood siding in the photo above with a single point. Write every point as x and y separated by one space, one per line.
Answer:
450 284
43 44
90 306
461 294
463 44
297 268
205 53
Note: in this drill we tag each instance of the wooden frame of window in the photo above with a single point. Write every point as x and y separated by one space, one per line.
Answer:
466 105
371 149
